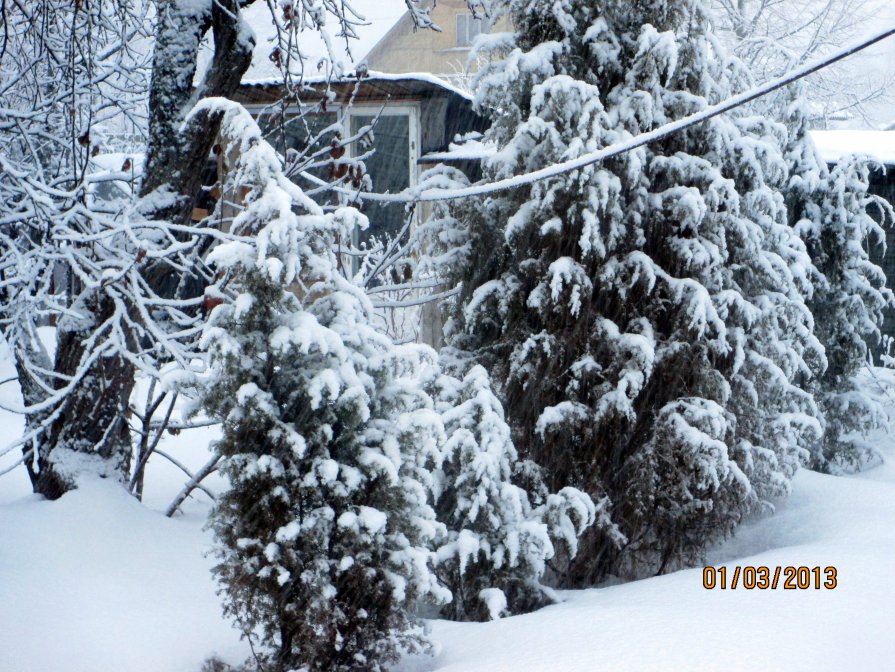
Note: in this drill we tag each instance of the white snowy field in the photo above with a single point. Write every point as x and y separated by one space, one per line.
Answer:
97 582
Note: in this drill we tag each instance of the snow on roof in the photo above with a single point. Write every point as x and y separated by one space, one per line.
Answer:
379 16
371 75
833 145
426 77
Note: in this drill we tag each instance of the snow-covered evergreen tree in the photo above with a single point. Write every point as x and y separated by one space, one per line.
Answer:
645 315
848 309
831 210
498 542
328 442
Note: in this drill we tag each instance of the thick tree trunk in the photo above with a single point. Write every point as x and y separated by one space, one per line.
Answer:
91 429
178 156
32 394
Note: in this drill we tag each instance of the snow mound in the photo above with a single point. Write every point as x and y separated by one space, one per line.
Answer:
97 582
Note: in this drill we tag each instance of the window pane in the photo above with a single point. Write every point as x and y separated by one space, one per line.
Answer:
462 33
388 168
475 27
303 133
469 27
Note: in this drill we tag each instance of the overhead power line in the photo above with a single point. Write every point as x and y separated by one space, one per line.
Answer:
417 195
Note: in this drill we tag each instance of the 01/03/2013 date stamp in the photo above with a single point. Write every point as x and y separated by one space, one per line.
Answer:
764 578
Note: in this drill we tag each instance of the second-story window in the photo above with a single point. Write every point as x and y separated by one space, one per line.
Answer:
468 28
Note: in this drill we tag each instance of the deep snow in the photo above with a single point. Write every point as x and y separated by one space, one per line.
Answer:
97 582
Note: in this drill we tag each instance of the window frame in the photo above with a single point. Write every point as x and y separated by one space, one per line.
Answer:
258 109
345 114
412 111
464 22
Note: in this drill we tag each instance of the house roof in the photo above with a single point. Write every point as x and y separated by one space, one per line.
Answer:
376 85
833 145
377 18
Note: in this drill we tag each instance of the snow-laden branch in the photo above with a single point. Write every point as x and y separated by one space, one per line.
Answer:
193 484
417 300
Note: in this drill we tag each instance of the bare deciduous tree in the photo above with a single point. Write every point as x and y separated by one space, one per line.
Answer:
122 280
773 36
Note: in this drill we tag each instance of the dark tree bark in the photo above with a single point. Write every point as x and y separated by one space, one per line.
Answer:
91 421
177 157
32 394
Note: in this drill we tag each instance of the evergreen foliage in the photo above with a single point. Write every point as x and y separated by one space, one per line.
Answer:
832 211
498 542
323 535
646 315
338 444
848 307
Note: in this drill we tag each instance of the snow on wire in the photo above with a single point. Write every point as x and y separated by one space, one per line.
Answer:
418 195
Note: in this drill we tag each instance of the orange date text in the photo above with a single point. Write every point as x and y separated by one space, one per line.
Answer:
769 578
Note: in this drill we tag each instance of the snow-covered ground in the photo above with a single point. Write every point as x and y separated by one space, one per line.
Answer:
97 582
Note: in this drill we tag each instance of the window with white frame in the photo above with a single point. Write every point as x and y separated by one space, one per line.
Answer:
388 151
469 27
